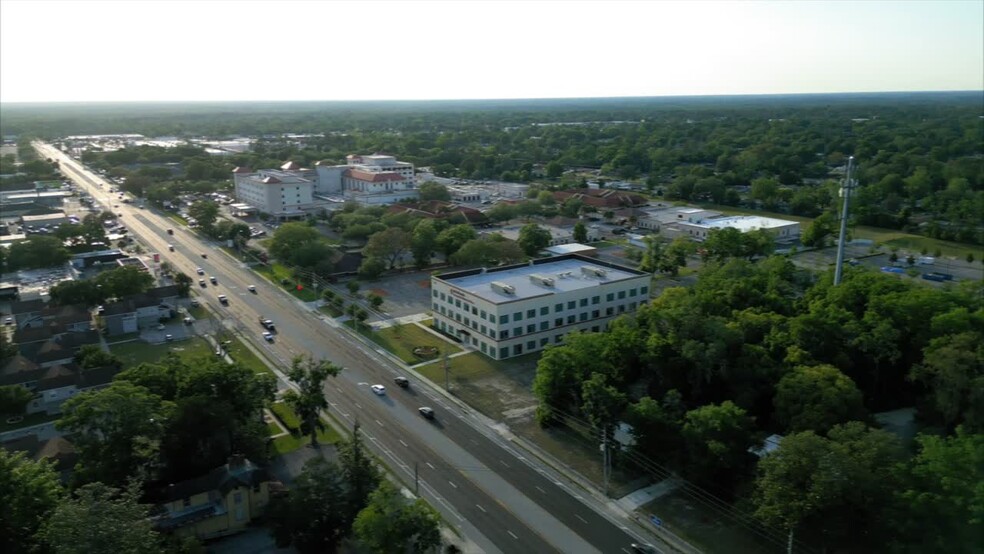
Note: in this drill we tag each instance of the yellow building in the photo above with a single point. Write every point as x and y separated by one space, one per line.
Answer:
222 502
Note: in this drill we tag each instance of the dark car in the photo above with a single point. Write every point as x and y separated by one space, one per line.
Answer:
204 255
402 382
428 413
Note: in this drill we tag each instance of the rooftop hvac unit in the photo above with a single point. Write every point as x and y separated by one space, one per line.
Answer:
542 280
503 288
593 271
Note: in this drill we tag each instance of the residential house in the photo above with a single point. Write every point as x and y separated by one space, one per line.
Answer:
128 314
222 502
27 313
58 450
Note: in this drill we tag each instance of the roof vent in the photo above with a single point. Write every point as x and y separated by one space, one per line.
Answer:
591 271
503 288
542 280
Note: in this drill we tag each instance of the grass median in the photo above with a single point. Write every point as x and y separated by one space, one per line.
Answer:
136 352
277 274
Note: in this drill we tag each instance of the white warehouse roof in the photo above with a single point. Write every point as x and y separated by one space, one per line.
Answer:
743 223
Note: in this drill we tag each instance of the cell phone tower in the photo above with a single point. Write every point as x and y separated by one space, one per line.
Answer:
845 192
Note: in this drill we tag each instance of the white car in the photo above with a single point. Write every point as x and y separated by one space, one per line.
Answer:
378 389
268 336
223 299
251 288
200 271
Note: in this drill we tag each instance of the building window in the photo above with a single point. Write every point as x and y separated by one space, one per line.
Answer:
457 316
544 341
609 311
545 310
484 348
457 303
571 305
531 345
434 293
595 299
483 329
571 319
621 308
517 331
517 349
558 308
584 302
503 352
483 314
632 305
583 316
531 328
504 318
504 334
558 338
595 314
558 322
632 292
609 297
544 325
518 316
594 328
474 310
530 314
621 294
468 322
644 291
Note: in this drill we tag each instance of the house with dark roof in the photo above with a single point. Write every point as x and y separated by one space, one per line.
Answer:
222 502
606 199
63 381
27 312
57 450
437 209
132 312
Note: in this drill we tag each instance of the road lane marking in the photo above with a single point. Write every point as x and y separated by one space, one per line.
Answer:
480 508
380 423
511 534
404 444
357 405
581 518
428 464
455 486
541 490
503 463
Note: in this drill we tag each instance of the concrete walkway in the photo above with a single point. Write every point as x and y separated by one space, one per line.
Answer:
407 319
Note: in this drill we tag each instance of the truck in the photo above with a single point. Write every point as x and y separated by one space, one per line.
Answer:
938 277
267 323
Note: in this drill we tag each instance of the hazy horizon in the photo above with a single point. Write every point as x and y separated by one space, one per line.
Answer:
149 51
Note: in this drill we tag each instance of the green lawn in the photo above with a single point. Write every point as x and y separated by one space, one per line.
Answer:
27 421
294 440
243 355
198 312
402 339
138 352
177 218
274 272
474 366
330 310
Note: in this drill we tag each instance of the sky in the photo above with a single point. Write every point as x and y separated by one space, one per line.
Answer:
235 50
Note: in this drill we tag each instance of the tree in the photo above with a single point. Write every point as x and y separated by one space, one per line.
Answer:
675 255
30 492
289 237
98 518
389 245
36 252
970 257
92 356
123 281
487 251
353 287
942 499
835 485
310 375
580 232
554 169
371 268
765 190
431 190
653 255
312 516
717 438
205 213
953 371
391 523
423 242
656 426
116 431
183 282
360 473
453 238
602 404
82 292
14 399
533 238
815 398
819 230
375 300
560 371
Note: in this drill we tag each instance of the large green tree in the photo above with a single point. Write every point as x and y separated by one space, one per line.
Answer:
205 212
310 375
123 281
423 242
453 238
431 190
716 440
953 370
14 399
289 237
313 516
37 251
360 473
98 518
30 492
389 245
533 238
391 523
815 398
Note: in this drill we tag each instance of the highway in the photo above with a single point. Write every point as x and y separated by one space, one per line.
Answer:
497 497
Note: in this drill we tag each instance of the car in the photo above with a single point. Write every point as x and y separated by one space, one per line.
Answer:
402 382
223 299
201 283
100 310
426 411
195 303
170 247
199 271
251 289
644 548
188 321
170 231
378 389
168 338
268 336
213 280
8 321
160 326
204 255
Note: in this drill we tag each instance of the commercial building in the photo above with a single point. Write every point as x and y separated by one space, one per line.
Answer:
282 193
368 180
513 310
782 230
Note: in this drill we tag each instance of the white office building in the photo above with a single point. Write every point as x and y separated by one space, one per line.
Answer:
781 229
368 180
280 193
513 310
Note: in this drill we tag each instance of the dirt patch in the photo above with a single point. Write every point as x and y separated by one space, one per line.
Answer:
379 292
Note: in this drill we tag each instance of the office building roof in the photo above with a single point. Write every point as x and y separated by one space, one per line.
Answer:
743 223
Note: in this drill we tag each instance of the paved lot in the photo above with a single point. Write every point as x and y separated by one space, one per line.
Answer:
403 295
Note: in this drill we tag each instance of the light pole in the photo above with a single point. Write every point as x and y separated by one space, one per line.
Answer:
845 191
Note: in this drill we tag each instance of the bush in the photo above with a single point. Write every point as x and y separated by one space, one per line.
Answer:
287 416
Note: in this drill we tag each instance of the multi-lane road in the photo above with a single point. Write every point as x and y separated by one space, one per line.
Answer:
498 497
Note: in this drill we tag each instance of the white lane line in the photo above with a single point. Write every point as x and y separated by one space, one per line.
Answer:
480 508
503 463
511 534
541 490
404 444
626 551
581 518
455 486
428 464
338 389
357 405
380 423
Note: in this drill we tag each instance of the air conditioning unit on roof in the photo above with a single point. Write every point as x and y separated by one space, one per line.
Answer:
503 288
591 271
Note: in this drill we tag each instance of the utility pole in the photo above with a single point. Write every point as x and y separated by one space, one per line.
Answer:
605 461
447 372
845 191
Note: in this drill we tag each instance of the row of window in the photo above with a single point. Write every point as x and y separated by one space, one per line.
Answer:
520 330
544 310
516 349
